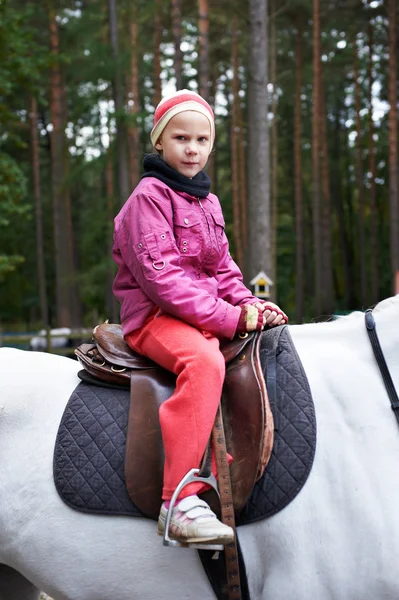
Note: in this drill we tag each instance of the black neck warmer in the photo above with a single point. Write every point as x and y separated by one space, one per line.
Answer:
199 186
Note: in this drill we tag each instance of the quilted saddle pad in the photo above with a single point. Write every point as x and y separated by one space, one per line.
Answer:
90 445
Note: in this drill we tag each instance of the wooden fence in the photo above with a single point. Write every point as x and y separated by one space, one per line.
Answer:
77 336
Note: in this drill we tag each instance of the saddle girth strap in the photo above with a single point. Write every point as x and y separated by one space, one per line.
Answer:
226 507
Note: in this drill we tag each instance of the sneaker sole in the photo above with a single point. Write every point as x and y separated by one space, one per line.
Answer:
200 540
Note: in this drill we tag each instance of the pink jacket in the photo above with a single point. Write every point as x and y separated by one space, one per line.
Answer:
172 252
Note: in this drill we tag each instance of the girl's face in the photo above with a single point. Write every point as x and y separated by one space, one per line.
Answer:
185 143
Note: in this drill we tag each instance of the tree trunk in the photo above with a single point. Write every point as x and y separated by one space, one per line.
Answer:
110 301
133 107
360 184
76 307
60 213
274 148
203 29
393 143
234 145
242 162
317 249
243 179
211 166
372 170
176 31
298 176
157 53
121 136
348 207
259 245
40 263
326 213
76 312
338 195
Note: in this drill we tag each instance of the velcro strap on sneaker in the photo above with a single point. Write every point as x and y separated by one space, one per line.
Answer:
194 508
199 512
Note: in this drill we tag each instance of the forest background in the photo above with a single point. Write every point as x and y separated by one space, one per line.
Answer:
305 161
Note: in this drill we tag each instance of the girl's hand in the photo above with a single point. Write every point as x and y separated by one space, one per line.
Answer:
273 315
251 319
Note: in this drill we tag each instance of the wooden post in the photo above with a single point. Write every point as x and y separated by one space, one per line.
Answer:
48 339
397 283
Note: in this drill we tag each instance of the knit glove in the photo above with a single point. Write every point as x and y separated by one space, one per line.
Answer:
263 306
251 319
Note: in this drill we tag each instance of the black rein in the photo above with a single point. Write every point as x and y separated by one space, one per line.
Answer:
379 356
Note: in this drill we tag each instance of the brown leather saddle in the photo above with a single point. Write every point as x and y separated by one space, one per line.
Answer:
247 416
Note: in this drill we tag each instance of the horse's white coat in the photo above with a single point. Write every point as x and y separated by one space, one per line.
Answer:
338 540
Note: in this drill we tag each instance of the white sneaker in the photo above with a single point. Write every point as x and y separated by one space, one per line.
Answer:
193 522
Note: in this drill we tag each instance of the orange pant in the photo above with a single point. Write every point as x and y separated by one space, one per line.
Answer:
187 417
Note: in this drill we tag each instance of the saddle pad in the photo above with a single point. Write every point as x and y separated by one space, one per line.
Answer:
90 444
89 451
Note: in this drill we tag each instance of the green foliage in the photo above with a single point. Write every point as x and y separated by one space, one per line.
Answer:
12 190
17 75
88 67
8 263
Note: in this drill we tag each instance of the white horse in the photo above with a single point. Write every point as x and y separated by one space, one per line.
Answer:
338 540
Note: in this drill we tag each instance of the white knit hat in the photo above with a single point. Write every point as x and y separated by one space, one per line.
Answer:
176 103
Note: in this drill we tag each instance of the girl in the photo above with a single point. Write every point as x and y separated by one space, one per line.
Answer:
180 293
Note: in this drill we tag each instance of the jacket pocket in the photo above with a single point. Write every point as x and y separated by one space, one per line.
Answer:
188 232
152 253
219 226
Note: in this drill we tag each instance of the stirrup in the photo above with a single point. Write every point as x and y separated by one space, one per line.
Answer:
190 477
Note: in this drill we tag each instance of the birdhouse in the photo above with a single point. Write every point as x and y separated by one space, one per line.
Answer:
262 284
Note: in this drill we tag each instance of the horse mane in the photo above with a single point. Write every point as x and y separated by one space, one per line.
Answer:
387 304
340 323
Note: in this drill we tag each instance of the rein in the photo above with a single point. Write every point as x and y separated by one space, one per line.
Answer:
379 356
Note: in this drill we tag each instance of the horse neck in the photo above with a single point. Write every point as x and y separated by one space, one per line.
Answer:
350 332
386 315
